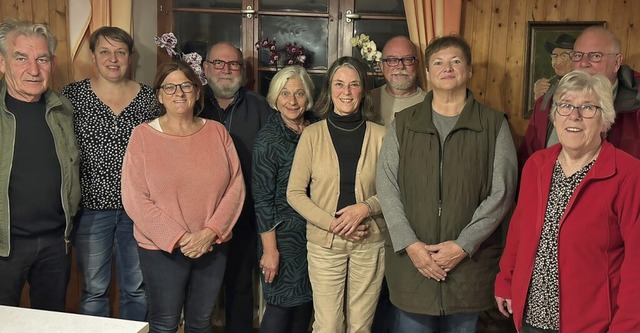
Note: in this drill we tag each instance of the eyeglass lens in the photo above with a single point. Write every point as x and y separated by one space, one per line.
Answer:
406 61
171 88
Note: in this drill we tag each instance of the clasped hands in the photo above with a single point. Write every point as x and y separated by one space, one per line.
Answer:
435 261
348 223
194 244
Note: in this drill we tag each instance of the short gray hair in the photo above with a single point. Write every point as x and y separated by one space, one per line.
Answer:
280 80
591 84
24 28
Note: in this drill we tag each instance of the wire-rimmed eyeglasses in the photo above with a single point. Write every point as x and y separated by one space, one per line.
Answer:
393 62
171 88
592 56
586 111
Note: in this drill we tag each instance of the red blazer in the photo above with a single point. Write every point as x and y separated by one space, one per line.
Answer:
598 246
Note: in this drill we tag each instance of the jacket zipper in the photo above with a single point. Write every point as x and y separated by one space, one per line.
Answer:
440 167
67 222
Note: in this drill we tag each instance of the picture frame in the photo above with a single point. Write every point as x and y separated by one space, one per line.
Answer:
545 38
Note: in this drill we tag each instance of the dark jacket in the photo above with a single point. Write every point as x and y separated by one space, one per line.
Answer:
249 113
440 202
624 134
59 118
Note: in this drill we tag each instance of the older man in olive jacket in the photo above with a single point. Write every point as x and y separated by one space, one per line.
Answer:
39 170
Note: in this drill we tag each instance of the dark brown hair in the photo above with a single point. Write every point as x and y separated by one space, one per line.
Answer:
441 43
114 33
178 65
325 105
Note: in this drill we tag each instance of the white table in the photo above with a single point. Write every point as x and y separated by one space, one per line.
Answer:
23 320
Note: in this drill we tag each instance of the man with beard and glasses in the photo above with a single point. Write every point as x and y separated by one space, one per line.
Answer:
399 67
400 70
243 113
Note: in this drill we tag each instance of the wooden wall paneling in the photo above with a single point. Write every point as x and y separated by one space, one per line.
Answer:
480 42
632 44
41 12
536 10
496 74
25 10
622 17
604 10
552 10
586 10
570 11
514 67
58 23
468 26
467 20
8 8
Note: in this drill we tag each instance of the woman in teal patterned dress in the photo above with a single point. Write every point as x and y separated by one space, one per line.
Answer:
282 249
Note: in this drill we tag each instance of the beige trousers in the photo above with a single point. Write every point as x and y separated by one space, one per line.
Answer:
346 280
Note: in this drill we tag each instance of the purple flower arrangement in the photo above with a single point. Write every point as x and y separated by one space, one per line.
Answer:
169 42
295 54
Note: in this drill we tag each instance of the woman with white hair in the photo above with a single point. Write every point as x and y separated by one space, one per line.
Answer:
282 247
571 259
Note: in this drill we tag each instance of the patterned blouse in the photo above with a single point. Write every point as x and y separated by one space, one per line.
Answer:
543 301
273 154
102 139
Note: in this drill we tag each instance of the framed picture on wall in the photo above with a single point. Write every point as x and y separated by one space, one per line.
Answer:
548 47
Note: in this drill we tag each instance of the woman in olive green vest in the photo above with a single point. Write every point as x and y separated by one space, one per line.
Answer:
446 179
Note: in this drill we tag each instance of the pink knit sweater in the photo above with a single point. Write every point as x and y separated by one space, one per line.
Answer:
172 184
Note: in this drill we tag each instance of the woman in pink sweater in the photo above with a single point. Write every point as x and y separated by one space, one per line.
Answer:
183 188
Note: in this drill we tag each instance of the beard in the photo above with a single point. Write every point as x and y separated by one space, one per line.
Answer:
223 88
407 82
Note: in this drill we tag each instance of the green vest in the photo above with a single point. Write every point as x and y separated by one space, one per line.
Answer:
440 190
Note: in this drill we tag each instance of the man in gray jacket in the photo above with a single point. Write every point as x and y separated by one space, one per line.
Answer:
39 175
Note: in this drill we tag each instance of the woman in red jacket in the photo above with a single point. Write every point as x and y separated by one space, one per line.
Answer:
571 260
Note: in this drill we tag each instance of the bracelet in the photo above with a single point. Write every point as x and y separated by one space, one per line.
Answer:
368 207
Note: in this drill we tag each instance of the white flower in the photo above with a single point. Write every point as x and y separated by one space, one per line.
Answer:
375 56
355 41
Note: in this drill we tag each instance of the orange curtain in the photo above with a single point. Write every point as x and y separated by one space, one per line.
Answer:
430 18
85 17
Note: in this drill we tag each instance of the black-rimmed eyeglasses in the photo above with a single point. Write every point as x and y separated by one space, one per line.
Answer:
585 110
393 62
219 64
592 56
171 88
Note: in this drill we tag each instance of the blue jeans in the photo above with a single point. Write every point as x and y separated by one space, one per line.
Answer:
44 263
99 235
406 322
174 282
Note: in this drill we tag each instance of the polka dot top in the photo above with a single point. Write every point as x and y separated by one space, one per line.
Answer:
543 302
102 139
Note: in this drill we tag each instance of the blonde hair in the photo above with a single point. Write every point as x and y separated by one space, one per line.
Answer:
280 80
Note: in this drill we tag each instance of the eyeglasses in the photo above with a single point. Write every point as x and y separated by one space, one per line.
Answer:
563 56
393 62
171 88
586 111
219 64
592 56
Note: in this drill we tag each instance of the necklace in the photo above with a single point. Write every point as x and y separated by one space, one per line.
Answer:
342 128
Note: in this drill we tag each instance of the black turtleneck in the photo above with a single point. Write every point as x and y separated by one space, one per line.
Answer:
347 134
